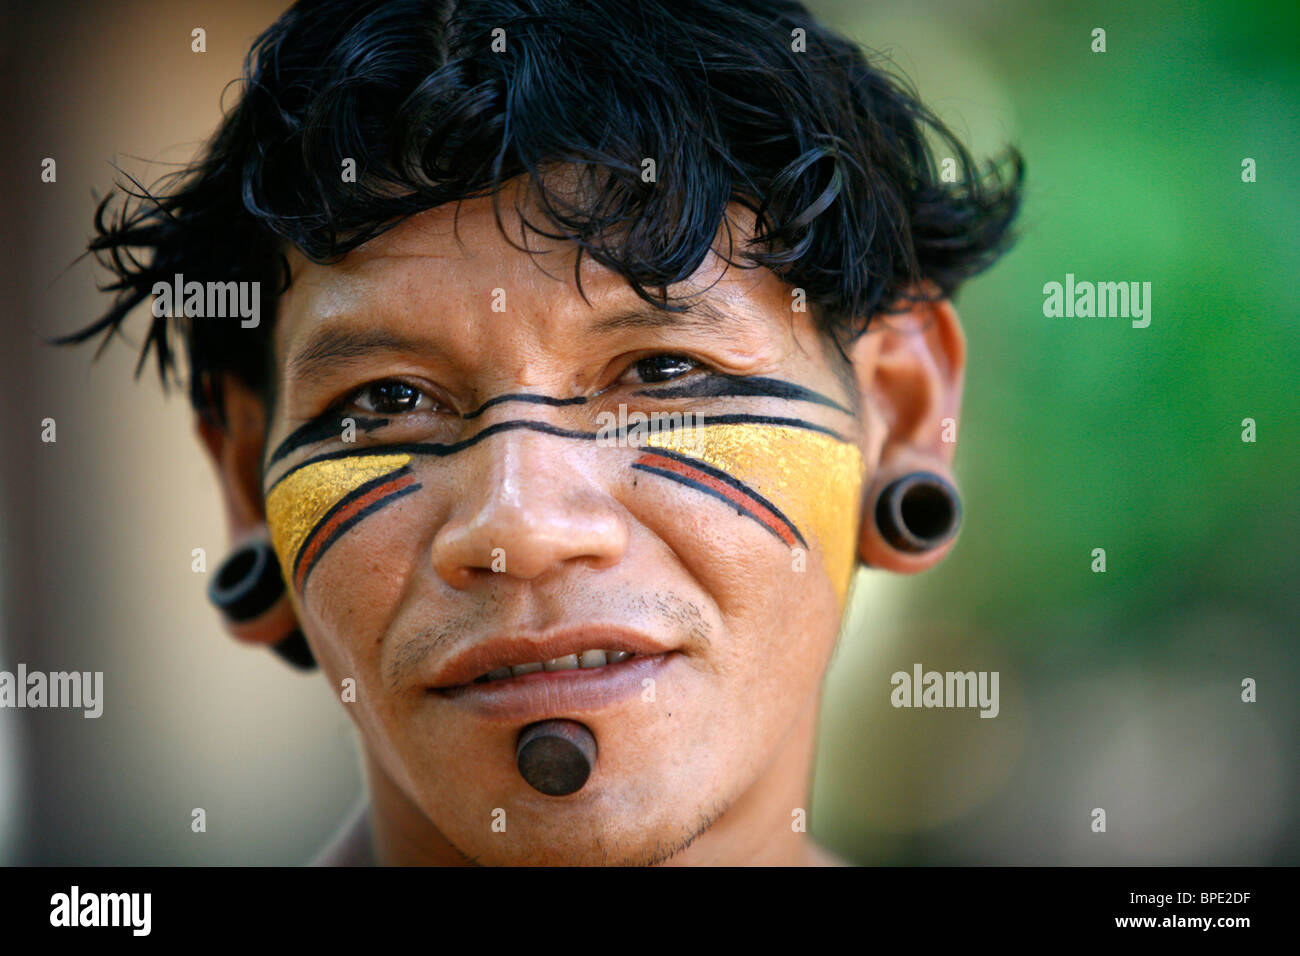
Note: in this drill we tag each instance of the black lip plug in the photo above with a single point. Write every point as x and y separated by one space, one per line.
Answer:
555 757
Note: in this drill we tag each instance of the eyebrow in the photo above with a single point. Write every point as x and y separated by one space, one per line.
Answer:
337 346
700 315
333 347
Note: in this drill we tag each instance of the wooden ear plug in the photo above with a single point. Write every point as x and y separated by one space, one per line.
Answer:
555 757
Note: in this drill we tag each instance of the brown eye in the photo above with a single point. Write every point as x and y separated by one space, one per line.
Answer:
662 368
389 397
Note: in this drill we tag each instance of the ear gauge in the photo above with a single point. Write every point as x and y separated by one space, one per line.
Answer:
296 652
247 584
248 589
918 512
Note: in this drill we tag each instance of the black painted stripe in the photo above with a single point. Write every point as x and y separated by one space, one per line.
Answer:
342 503
715 385
350 523
524 397
714 493
442 450
319 430
720 385
727 479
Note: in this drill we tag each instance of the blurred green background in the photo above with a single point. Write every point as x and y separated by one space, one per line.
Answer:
1118 690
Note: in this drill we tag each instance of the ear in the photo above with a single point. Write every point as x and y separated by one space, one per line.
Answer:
909 367
236 452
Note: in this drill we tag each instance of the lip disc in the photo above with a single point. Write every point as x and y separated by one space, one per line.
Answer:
555 757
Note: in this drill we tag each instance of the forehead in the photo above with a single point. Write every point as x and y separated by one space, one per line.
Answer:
455 260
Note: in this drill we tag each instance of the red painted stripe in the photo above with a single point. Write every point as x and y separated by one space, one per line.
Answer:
322 532
756 508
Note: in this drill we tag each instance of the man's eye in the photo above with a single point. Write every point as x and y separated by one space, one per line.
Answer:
662 368
389 397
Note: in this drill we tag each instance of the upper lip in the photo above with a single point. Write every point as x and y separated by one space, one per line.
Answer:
515 650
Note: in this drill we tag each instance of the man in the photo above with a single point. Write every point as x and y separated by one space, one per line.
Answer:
596 344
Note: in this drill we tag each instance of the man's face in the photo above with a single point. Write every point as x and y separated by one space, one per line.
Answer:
489 511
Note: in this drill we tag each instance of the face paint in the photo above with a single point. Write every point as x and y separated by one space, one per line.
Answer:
792 480
791 476
718 385
327 426
309 508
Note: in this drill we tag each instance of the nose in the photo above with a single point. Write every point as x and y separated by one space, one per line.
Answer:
529 509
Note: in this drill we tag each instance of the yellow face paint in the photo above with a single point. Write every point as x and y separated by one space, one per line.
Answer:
298 503
809 483
813 478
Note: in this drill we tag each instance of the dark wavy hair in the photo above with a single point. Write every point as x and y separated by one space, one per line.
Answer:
828 151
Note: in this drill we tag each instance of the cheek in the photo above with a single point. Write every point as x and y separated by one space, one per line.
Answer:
800 486
765 519
313 506
351 508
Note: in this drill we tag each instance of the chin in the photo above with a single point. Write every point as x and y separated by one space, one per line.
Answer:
598 846
595 830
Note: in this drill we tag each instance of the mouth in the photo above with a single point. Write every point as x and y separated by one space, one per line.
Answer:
507 659
581 670
583 660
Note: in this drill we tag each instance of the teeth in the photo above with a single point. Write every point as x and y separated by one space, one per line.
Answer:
587 659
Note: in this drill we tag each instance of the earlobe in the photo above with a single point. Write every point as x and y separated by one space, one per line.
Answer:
910 370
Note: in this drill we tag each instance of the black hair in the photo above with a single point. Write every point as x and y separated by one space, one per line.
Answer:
745 101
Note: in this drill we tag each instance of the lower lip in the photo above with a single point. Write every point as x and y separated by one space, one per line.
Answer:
545 694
